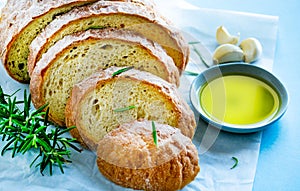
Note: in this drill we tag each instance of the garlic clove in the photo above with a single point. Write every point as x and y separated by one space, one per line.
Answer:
224 37
227 53
252 49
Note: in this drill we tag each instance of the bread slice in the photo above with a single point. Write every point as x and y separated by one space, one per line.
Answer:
128 157
93 103
127 15
111 47
21 21
78 56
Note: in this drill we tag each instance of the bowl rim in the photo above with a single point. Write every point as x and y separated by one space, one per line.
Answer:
245 69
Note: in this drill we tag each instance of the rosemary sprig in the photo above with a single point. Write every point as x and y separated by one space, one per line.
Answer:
194 48
236 161
122 70
154 133
124 108
25 131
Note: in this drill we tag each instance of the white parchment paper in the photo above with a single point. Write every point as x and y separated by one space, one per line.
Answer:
216 148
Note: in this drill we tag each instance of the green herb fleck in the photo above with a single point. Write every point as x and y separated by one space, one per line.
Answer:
189 73
236 161
194 42
124 109
25 130
122 70
95 27
154 133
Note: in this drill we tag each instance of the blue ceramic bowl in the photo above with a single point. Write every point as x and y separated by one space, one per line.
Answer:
239 69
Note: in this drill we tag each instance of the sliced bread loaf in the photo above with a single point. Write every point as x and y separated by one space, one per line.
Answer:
127 15
21 21
129 157
78 56
102 102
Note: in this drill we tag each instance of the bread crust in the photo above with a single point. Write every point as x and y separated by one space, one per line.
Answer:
185 116
130 37
129 157
144 13
19 14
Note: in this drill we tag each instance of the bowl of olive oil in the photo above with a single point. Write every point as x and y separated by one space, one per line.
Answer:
238 97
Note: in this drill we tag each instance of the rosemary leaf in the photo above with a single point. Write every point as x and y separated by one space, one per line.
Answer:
60 166
95 27
15 148
189 73
39 111
154 133
194 42
26 104
44 144
41 128
122 70
124 109
31 164
200 55
46 122
236 161
2 96
55 137
7 146
65 130
26 146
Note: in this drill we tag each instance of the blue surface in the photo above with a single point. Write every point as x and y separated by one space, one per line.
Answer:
279 160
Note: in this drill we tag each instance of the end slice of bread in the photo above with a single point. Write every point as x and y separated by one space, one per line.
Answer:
94 104
21 22
126 15
78 56
128 156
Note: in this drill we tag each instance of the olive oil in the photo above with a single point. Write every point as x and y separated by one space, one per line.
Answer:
238 99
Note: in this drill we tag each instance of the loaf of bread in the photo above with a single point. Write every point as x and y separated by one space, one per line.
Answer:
129 157
21 21
78 56
94 103
127 15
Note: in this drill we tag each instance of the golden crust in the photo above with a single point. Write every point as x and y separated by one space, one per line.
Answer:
128 157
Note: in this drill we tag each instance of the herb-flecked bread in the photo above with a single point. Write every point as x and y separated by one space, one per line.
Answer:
95 102
129 157
77 56
21 21
127 15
